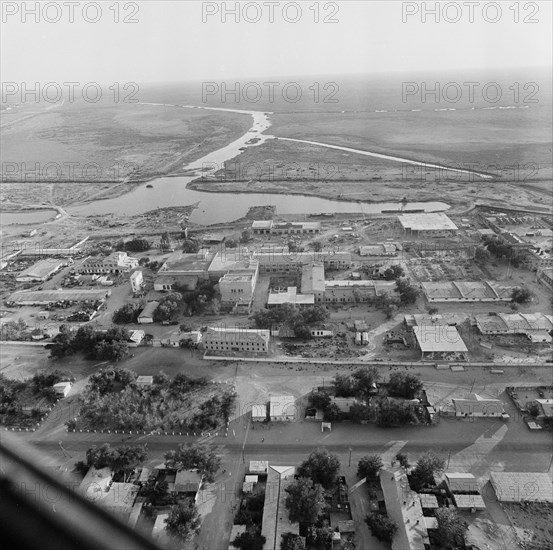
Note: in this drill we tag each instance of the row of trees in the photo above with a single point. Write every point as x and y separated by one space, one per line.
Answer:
361 384
123 460
111 345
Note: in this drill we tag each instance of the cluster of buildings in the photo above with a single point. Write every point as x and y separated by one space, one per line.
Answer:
237 272
537 327
122 498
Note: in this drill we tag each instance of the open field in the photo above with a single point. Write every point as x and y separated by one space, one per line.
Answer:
295 168
123 142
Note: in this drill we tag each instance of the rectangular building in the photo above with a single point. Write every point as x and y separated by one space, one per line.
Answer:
282 408
436 223
290 296
40 271
236 339
146 316
522 486
116 262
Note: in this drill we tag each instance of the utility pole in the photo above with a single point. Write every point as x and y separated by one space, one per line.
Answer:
349 464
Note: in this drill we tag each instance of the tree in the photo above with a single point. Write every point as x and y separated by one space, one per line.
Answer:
364 378
292 542
250 540
393 273
359 412
62 345
404 385
305 501
137 245
432 310
128 458
344 386
320 400
533 409
481 254
246 236
320 466
369 467
168 308
408 294
317 246
183 521
101 457
428 465
395 414
321 537
381 526
403 460
451 528
197 456
190 246
521 295
126 314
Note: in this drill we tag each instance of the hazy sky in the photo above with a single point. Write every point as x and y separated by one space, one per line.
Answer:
174 41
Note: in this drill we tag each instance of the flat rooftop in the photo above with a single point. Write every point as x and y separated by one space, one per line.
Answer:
441 338
290 296
313 278
522 486
427 222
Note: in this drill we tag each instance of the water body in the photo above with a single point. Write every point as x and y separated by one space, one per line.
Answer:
26 217
226 207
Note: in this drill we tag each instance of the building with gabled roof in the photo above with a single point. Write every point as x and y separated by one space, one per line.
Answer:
404 508
41 270
477 406
146 316
276 520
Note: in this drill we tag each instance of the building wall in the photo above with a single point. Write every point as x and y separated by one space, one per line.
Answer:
225 345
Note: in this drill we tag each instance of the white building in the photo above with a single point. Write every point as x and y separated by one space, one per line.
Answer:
236 339
436 223
237 287
62 388
137 280
282 408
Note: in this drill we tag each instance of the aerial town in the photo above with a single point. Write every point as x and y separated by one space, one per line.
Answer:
242 310
373 367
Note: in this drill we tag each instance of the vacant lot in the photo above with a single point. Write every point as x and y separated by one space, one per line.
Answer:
533 522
